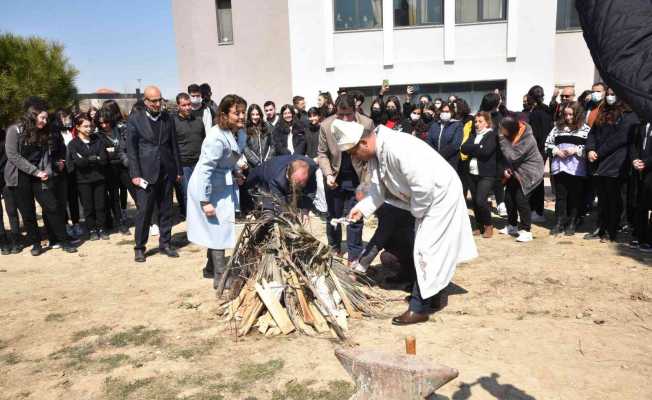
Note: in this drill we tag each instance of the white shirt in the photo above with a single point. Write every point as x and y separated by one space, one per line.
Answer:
290 145
67 137
473 164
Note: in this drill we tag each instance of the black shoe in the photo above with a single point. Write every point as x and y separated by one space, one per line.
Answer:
93 236
139 255
68 248
571 229
596 234
103 235
169 251
124 229
558 229
16 248
37 250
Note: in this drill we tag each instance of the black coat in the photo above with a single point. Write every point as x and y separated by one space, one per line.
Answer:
640 152
611 143
87 161
312 141
540 119
258 147
485 152
619 36
280 139
57 151
148 151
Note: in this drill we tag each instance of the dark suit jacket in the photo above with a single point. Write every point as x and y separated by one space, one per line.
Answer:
271 177
148 150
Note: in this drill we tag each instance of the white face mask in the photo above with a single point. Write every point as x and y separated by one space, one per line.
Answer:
437 104
445 116
611 100
415 116
596 97
195 100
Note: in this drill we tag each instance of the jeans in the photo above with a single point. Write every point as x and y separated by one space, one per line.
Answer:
480 187
187 172
568 197
340 202
420 305
518 205
93 198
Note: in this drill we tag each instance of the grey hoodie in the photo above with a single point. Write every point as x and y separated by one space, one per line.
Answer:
524 159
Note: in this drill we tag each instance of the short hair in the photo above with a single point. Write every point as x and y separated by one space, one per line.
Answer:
486 116
345 102
205 87
269 103
182 96
604 86
314 111
427 96
358 96
511 125
226 103
297 99
194 88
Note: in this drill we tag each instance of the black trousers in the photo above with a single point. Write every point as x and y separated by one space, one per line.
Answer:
517 205
480 187
499 191
11 207
113 206
72 200
31 188
126 187
157 195
538 195
93 198
569 191
611 204
463 173
642 226
339 203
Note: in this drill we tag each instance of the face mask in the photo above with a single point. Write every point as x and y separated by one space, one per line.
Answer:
445 116
393 114
611 100
415 116
375 110
427 117
195 100
437 104
596 97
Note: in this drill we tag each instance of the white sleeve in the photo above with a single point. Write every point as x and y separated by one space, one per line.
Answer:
376 195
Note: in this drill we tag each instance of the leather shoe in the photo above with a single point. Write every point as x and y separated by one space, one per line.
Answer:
409 318
169 251
139 255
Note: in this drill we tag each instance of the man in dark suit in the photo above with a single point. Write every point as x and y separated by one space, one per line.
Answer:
154 166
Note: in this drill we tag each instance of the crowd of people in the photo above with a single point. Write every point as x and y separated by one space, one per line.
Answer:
213 155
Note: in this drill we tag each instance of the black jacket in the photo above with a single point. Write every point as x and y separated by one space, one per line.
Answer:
112 146
312 140
280 139
484 152
190 133
642 152
540 119
87 161
57 151
149 151
258 148
619 36
3 158
611 143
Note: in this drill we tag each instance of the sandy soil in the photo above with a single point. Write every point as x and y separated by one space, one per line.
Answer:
557 318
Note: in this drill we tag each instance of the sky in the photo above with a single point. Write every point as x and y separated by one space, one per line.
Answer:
112 43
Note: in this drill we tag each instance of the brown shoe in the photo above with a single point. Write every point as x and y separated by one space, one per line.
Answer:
488 231
409 318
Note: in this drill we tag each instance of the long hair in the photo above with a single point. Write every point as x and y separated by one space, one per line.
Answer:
536 92
261 127
610 114
490 102
282 120
227 102
578 116
114 108
31 134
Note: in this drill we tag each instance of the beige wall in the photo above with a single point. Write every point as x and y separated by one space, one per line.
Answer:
256 66
573 63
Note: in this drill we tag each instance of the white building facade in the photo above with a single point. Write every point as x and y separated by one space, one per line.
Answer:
280 48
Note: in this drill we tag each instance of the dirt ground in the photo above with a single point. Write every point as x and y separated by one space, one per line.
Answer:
556 318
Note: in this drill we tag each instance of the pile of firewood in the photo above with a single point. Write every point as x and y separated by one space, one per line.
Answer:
283 279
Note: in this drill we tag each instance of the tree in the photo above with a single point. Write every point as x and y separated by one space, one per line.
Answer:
33 67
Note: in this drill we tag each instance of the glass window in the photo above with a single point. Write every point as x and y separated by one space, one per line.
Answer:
358 14
418 12
567 16
224 21
467 11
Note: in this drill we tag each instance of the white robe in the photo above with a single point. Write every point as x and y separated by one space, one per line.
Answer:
411 175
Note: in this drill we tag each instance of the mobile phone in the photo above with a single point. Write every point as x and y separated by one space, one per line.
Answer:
143 183
385 82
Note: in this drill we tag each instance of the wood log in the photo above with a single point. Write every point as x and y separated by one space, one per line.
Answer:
320 323
308 318
275 309
248 320
345 299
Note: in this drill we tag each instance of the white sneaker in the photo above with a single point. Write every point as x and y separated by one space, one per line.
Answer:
153 230
510 230
535 217
524 236
502 210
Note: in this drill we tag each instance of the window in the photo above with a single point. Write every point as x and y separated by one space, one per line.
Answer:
358 14
418 12
224 22
467 11
567 17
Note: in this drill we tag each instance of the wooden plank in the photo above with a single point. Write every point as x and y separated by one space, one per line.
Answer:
275 309
345 299
308 318
263 323
249 320
320 324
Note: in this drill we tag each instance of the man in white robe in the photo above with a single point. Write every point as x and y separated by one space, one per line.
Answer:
407 173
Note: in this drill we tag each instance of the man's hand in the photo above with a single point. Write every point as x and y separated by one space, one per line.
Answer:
410 90
178 178
208 209
355 215
136 181
240 179
42 175
330 182
639 165
305 219
555 93
383 89
593 156
507 174
61 164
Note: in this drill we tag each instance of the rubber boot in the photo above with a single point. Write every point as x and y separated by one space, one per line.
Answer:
218 260
208 268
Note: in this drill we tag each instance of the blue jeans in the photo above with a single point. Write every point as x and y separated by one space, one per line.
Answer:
187 171
340 202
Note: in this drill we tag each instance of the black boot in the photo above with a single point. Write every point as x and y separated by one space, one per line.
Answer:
14 244
218 261
5 249
37 250
571 228
208 268
558 229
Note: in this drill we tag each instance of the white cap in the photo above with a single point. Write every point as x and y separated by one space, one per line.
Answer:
347 134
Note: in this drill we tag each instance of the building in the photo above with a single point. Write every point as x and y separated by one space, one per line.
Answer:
265 49
125 100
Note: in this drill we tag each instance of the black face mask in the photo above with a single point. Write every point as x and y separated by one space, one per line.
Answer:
427 117
393 114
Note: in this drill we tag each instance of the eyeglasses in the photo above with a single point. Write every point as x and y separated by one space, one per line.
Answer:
160 99
566 96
